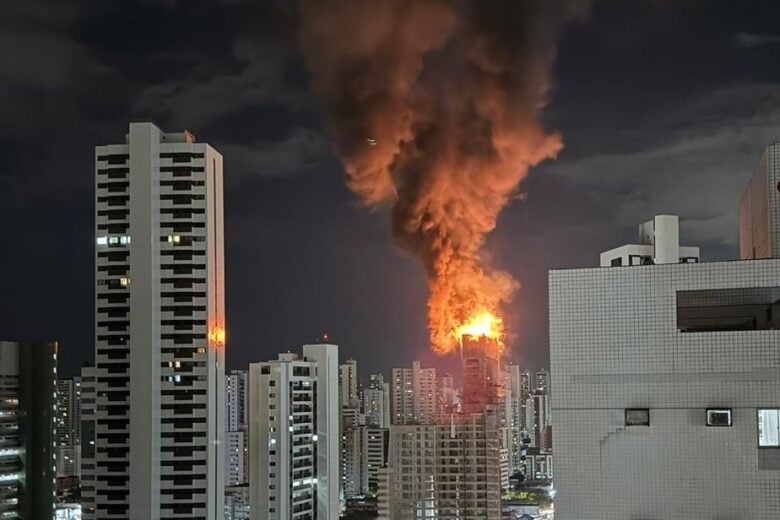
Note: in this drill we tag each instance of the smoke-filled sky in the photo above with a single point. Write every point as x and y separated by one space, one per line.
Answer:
664 107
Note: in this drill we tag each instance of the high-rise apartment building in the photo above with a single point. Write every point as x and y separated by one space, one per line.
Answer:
446 397
538 424
667 392
543 380
364 454
160 330
237 435
413 399
68 429
348 384
513 402
28 374
376 402
294 435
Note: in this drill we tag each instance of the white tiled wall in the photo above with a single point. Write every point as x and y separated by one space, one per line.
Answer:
615 345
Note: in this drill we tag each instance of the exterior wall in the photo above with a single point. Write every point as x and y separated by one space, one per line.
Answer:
160 321
283 446
326 356
68 430
759 210
237 435
414 394
615 345
28 374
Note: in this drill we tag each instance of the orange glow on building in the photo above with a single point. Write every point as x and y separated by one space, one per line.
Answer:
217 335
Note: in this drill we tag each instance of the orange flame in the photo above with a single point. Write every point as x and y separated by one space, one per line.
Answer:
217 335
482 324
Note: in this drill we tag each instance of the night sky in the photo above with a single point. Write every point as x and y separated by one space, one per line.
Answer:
664 106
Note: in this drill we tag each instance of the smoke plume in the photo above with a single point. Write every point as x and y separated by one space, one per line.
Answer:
434 108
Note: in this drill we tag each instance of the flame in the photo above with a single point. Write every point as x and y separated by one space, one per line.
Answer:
481 324
217 335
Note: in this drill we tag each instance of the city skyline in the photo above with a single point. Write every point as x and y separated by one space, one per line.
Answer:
709 122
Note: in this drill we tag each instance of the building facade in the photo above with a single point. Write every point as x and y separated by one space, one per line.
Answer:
667 391
68 430
413 394
160 330
294 436
28 374
237 435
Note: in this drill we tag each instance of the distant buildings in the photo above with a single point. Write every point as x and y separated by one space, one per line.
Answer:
294 435
28 374
454 464
667 391
157 423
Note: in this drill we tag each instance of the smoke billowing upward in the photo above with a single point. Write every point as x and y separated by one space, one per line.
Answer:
434 107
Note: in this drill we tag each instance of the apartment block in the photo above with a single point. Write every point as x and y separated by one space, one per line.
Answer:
28 391
294 435
158 417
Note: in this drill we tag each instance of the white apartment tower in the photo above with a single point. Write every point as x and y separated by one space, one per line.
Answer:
159 417
667 388
413 399
294 436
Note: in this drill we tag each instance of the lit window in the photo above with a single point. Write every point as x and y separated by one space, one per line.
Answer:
124 282
102 241
769 428
637 417
174 239
719 417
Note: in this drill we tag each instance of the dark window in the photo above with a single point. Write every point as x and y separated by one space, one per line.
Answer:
714 310
637 417
617 262
718 416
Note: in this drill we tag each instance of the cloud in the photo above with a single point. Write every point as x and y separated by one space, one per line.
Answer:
698 170
298 152
752 41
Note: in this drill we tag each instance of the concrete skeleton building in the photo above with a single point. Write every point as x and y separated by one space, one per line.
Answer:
667 390
28 391
158 416
294 436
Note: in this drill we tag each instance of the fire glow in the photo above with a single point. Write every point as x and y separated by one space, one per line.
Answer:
482 324
217 336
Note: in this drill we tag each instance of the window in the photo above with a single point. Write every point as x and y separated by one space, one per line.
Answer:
719 417
637 417
715 310
769 428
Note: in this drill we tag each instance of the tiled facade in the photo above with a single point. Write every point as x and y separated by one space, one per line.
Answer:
617 343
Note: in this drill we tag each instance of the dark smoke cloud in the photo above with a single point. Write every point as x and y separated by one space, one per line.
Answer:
434 108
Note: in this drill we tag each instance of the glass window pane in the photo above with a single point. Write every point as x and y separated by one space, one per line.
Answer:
768 427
